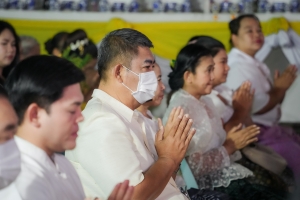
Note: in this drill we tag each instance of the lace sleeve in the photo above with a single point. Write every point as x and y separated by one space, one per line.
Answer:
213 160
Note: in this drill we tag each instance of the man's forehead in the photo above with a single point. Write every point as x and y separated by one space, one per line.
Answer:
71 95
7 113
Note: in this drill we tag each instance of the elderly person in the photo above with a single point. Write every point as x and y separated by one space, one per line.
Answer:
29 46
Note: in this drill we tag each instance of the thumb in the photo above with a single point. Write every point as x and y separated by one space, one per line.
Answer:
160 134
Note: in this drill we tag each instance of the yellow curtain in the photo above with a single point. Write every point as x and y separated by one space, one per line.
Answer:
167 37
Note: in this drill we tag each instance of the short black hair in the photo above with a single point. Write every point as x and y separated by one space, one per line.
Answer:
120 44
3 26
211 43
193 38
40 80
57 42
235 24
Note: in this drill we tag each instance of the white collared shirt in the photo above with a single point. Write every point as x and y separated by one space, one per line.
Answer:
113 147
40 178
245 68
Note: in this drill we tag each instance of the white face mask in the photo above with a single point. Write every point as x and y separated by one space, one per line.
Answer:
146 88
10 162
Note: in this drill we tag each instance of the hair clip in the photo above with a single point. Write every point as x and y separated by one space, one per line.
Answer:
79 44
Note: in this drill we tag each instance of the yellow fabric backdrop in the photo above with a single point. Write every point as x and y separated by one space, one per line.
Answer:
167 37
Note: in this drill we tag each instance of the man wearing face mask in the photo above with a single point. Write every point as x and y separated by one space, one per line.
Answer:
112 143
10 162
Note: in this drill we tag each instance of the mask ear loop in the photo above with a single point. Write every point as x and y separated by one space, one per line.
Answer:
124 84
131 71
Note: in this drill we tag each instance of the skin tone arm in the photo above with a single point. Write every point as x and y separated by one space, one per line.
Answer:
171 143
143 109
281 85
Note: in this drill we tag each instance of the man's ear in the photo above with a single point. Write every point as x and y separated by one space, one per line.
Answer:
33 114
234 40
117 72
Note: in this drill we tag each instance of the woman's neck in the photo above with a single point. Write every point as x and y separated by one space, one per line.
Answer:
192 92
143 109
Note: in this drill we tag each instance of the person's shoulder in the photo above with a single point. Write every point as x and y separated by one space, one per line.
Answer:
98 112
31 183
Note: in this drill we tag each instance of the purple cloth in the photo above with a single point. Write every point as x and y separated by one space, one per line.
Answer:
285 141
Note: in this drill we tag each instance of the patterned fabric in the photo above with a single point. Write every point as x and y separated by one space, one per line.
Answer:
263 176
207 195
243 190
206 156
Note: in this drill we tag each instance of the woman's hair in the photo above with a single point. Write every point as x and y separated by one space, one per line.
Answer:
234 25
3 26
79 45
57 42
211 43
187 60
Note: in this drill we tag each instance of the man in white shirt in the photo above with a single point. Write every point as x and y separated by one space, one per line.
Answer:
10 162
113 145
46 96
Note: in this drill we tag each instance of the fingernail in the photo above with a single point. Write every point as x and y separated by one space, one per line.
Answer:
186 115
190 120
193 129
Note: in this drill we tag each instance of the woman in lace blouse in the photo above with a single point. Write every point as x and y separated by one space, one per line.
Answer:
151 128
212 153
235 107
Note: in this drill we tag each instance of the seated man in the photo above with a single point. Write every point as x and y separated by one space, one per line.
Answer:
10 162
113 145
45 93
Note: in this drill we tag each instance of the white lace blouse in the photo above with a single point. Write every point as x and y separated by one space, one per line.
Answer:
207 158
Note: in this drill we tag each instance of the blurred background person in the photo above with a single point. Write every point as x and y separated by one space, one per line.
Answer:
247 39
54 46
9 49
82 52
29 46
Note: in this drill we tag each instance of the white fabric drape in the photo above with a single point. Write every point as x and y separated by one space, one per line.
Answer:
289 42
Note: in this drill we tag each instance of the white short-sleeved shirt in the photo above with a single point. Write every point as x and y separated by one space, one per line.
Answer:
245 68
113 147
41 178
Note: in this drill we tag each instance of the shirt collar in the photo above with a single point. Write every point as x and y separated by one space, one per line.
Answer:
244 55
35 152
119 107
